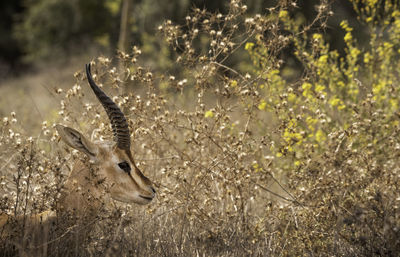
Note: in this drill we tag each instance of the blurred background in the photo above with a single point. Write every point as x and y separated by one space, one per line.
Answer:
44 42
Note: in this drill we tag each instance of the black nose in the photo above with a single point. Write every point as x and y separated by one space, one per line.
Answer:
152 189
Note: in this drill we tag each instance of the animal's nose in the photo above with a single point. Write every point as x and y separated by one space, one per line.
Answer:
152 189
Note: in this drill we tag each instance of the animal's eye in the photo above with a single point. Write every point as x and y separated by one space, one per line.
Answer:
125 166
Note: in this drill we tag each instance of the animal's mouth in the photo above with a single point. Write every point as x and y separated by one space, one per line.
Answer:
146 197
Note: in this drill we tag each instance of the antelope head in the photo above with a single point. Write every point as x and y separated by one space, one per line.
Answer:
114 159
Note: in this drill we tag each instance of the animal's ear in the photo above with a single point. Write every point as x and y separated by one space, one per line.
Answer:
76 140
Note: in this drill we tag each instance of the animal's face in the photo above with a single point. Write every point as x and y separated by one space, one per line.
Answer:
126 182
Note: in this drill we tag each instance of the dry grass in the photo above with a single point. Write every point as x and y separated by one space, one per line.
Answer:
238 168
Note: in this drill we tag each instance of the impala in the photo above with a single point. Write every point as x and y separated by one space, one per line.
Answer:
111 172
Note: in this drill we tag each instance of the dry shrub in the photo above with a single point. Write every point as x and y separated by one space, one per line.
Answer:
246 161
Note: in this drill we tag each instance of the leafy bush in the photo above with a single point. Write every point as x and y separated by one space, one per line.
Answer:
254 159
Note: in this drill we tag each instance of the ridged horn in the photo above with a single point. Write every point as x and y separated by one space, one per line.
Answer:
118 121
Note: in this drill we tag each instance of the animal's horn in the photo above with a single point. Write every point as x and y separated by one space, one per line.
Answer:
118 121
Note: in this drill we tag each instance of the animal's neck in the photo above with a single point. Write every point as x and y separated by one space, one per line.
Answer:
83 191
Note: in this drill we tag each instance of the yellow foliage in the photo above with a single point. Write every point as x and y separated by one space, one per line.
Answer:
249 46
283 14
320 136
306 86
262 105
348 37
319 88
209 114
292 97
